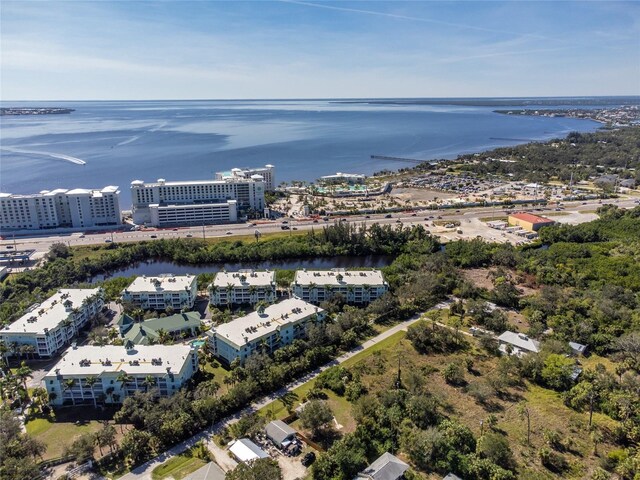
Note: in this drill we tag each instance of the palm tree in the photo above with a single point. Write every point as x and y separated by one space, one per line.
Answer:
68 385
90 382
252 293
163 336
149 381
124 378
23 373
109 392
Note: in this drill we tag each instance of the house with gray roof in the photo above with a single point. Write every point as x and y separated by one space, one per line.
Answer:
280 433
577 348
386 467
210 471
517 344
148 332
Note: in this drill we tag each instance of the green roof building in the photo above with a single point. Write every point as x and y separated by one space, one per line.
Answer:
150 331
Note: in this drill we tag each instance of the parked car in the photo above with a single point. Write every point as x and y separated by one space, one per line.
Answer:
388 215
154 236
308 459
107 240
189 235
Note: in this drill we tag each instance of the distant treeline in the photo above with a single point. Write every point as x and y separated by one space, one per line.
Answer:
579 155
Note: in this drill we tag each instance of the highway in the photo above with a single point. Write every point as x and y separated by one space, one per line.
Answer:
41 243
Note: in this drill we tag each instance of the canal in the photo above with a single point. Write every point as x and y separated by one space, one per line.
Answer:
155 268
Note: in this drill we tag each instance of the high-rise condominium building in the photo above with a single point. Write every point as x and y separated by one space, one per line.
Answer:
49 326
93 375
268 174
200 202
61 208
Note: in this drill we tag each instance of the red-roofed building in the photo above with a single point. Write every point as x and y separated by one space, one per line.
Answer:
528 221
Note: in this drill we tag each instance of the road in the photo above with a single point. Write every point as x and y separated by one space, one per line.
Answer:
143 472
42 243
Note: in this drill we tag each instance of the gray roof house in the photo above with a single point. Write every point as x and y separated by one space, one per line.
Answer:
386 467
280 433
577 348
210 471
520 344
451 476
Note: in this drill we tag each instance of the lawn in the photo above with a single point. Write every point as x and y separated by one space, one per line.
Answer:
178 467
57 435
339 405
219 374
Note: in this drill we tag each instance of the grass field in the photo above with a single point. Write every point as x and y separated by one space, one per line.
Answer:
57 435
177 467
378 369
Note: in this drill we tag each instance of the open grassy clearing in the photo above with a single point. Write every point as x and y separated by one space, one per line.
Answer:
57 435
177 467
58 431
277 408
378 368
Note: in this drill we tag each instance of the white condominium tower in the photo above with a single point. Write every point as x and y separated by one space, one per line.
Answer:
356 286
244 286
61 208
200 202
158 293
268 174
49 326
92 375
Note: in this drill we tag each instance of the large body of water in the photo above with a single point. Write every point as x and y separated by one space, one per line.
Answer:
181 140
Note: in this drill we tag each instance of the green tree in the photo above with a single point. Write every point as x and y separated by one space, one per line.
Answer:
81 448
495 447
557 371
260 469
316 416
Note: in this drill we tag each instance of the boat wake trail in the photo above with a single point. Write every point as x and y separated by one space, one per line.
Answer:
61 156
137 137
129 140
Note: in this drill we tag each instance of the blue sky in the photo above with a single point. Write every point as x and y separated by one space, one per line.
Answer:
72 50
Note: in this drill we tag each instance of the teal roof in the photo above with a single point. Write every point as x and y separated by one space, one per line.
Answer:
145 333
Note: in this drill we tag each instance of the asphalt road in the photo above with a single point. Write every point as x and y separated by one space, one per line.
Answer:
42 243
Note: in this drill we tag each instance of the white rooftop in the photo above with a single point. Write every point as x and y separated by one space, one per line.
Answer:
244 278
245 450
141 360
345 175
339 277
168 282
140 183
520 340
254 326
50 312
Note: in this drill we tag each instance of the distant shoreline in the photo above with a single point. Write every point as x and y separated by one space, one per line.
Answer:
16 111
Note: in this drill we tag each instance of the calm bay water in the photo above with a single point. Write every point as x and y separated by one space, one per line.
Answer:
304 139
322 263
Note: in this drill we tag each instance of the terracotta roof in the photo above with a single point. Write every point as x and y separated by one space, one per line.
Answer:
529 217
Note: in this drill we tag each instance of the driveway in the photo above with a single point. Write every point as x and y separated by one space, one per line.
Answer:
143 472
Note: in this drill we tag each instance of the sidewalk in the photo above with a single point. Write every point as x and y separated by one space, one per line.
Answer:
143 472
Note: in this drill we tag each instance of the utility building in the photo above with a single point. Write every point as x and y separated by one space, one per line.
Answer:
529 222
